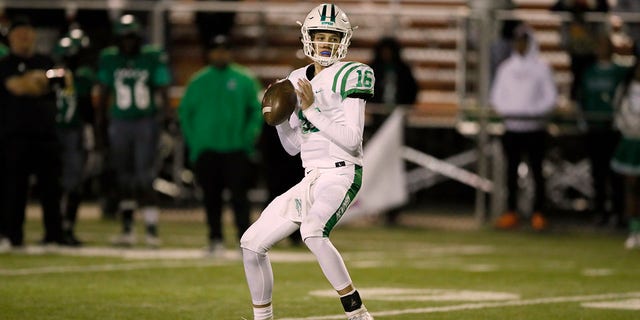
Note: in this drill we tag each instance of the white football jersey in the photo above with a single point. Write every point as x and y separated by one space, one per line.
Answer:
329 133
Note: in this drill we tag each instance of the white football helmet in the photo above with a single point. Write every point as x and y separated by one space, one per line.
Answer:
326 17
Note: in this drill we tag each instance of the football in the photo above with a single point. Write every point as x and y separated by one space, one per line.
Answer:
279 101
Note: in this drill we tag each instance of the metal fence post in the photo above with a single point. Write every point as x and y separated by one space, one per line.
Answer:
480 13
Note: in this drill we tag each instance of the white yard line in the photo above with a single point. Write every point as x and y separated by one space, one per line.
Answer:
108 267
629 304
153 259
475 306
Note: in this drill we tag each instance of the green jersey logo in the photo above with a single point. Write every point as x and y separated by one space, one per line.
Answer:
307 126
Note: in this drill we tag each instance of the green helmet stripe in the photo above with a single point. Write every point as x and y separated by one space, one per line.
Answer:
323 15
333 13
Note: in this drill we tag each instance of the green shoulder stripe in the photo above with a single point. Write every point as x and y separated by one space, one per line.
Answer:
354 79
109 51
337 76
154 53
343 86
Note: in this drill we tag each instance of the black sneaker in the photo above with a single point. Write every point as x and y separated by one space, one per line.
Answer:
71 240
602 219
46 242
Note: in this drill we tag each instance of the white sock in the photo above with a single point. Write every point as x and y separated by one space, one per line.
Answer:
265 313
128 204
257 269
150 215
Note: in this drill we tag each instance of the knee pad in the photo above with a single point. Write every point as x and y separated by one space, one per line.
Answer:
270 228
249 241
312 227
315 243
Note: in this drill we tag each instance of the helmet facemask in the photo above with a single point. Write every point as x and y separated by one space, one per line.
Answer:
326 18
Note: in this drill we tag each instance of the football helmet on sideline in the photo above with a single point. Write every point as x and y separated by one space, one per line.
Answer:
72 42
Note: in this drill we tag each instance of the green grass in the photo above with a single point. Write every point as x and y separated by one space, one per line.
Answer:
529 267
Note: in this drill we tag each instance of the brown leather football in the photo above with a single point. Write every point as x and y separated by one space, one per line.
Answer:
278 102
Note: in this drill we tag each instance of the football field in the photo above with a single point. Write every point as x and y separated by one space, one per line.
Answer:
402 273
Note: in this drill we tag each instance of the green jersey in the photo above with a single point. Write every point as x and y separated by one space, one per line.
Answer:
4 50
68 115
599 84
133 79
220 111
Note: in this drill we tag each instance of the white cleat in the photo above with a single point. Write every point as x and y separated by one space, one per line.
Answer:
5 245
633 241
216 249
360 314
153 241
124 240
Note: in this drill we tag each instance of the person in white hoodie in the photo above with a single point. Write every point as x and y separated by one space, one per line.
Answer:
523 94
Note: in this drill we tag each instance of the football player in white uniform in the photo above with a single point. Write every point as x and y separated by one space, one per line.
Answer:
326 128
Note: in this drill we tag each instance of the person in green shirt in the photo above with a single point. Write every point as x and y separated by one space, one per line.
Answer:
595 99
74 114
220 117
4 50
131 75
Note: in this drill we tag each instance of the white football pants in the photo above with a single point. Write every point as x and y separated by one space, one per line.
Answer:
315 205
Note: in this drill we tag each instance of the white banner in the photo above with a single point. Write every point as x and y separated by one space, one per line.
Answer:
384 183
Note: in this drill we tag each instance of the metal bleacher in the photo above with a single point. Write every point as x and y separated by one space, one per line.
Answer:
432 32
268 43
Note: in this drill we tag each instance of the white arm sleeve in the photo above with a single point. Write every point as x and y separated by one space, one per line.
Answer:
348 134
289 138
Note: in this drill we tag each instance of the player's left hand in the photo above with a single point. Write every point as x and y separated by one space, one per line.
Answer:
305 93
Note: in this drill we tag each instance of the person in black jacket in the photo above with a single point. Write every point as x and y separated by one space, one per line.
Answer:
395 86
29 129
5 245
74 123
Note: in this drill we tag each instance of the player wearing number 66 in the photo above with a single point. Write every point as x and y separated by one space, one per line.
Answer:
130 75
326 129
